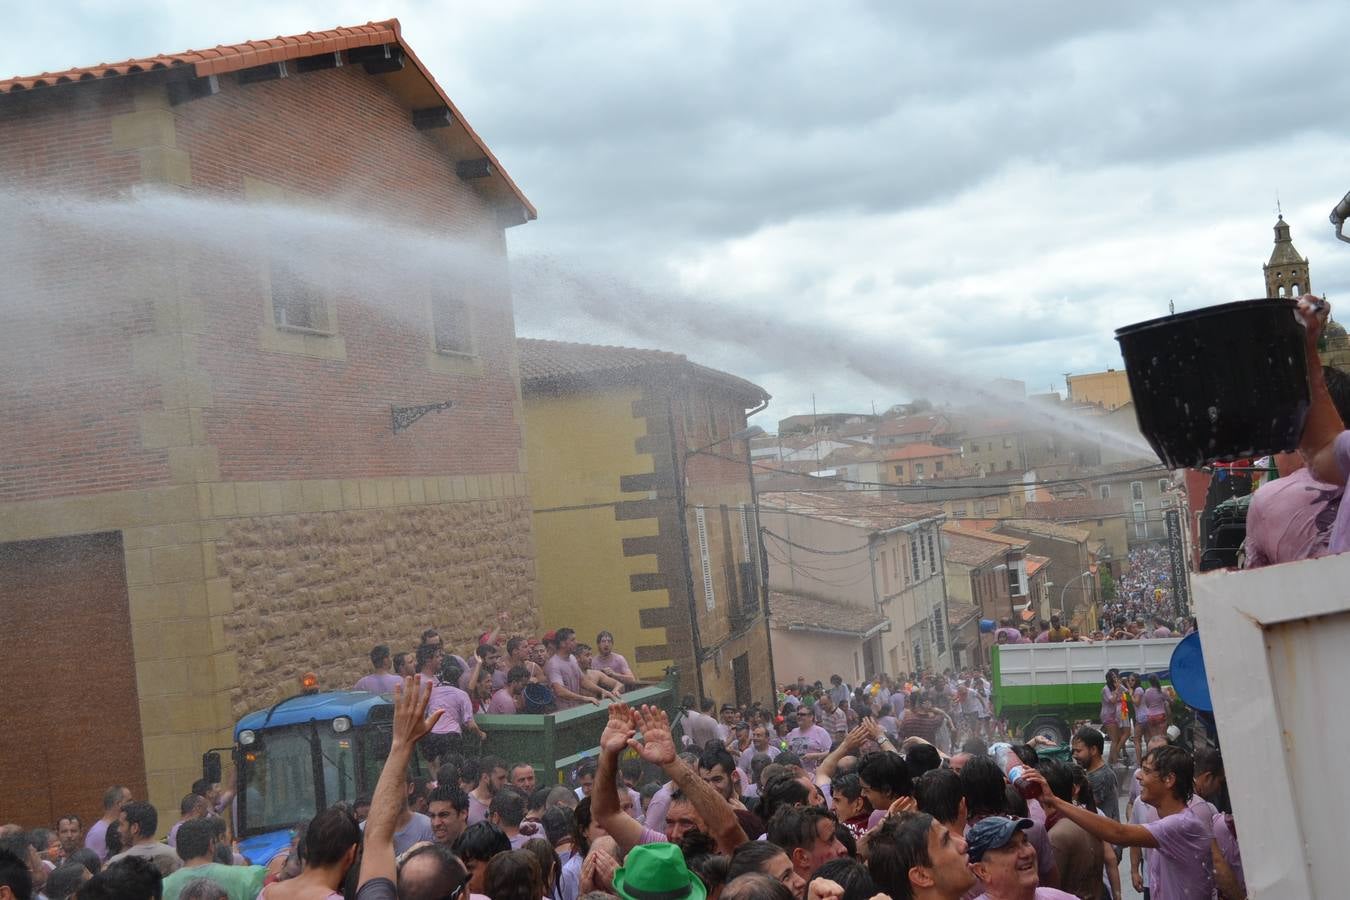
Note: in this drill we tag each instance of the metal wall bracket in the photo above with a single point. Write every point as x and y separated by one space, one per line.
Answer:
404 416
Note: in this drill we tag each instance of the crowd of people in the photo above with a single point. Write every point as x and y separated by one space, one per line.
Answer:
833 792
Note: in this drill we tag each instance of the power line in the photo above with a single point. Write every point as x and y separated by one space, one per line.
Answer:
807 549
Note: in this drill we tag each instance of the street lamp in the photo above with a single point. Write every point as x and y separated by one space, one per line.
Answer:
1070 582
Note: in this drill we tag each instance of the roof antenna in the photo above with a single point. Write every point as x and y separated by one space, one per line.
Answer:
1279 210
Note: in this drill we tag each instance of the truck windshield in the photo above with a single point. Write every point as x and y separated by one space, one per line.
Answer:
279 788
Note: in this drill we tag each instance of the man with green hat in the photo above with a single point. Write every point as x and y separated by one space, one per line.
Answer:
657 872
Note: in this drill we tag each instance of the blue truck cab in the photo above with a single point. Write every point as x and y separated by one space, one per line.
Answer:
301 756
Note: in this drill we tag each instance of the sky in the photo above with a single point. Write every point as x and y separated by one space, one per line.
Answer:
795 191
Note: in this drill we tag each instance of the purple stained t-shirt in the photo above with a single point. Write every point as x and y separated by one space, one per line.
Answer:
814 740
379 683
568 674
611 660
1181 868
97 839
1290 518
1340 530
502 703
457 705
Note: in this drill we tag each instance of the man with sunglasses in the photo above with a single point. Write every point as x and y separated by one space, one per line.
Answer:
808 740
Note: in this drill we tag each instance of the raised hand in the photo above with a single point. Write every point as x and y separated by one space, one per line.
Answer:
657 745
618 730
411 722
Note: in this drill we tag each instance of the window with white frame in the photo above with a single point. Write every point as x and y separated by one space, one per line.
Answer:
701 526
1104 491
938 629
932 554
914 557
1136 490
1162 485
1140 522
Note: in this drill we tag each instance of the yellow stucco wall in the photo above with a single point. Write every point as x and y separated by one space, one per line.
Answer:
1110 388
577 448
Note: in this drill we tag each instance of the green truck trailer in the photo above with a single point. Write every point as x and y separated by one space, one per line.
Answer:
1044 688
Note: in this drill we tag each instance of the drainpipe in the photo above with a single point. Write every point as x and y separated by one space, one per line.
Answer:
677 463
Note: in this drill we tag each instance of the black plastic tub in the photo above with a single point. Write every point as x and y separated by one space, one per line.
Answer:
1220 383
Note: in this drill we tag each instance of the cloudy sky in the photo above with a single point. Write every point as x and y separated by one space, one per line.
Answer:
864 201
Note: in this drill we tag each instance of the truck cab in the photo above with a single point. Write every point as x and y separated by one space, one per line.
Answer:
301 756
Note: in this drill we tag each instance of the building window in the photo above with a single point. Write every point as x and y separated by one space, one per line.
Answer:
959 510
297 303
1104 491
1136 490
1140 522
937 466
989 507
932 555
1162 485
914 557
701 525
895 564
451 322
918 469
938 629
899 471
1007 443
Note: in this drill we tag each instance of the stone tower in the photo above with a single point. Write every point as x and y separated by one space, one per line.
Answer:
1287 272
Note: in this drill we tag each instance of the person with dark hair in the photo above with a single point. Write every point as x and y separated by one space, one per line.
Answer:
1087 746
986 791
550 866
381 680
64 881
922 719
128 878
491 779
476 846
938 793
87 858
15 876
1078 855
192 806
806 834
611 663
886 782
754 886
509 699
850 875
448 810
70 832
709 866
1183 862
911 856
513 875
136 825
850 804
506 812
197 843
332 839
922 758
764 858
786 789
975 747
1212 784
454 703
808 740
428 872
564 673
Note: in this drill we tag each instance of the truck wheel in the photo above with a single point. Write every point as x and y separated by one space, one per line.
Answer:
1052 727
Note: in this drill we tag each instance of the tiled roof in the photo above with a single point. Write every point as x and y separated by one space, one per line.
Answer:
805 613
921 424
1046 529
1034 563
966 529
227 58
853 508
562 362
1075 509
919 451
966 549
960 612
223 58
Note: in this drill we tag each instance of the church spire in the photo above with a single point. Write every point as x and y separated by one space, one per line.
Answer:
1287 272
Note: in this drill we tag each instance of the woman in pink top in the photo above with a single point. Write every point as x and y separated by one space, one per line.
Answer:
1116 731
1154 709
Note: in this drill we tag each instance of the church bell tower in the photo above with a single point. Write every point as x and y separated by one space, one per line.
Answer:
1287 272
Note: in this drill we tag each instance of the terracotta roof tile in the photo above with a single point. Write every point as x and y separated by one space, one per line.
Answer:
959 612
1047 529
800 612
1034 563
234 57
224 57
972 550
964 528
919 451
1075 509
852 508
562 361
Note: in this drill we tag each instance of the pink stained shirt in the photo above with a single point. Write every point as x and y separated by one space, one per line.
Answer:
1339 541
379 683
568 674
611 660
457 705
814 740
502 703
1155 702
1291 518
1181 868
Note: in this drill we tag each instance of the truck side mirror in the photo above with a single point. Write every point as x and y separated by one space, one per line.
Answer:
211 767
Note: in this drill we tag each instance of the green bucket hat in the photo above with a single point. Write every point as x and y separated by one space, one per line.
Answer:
657 872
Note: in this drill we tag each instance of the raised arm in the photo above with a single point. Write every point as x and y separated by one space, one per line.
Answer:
590 684
658 747
1098 826
850 744
411 724
1318 444
625 830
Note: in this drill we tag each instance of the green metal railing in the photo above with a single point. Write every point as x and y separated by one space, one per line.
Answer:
556 743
